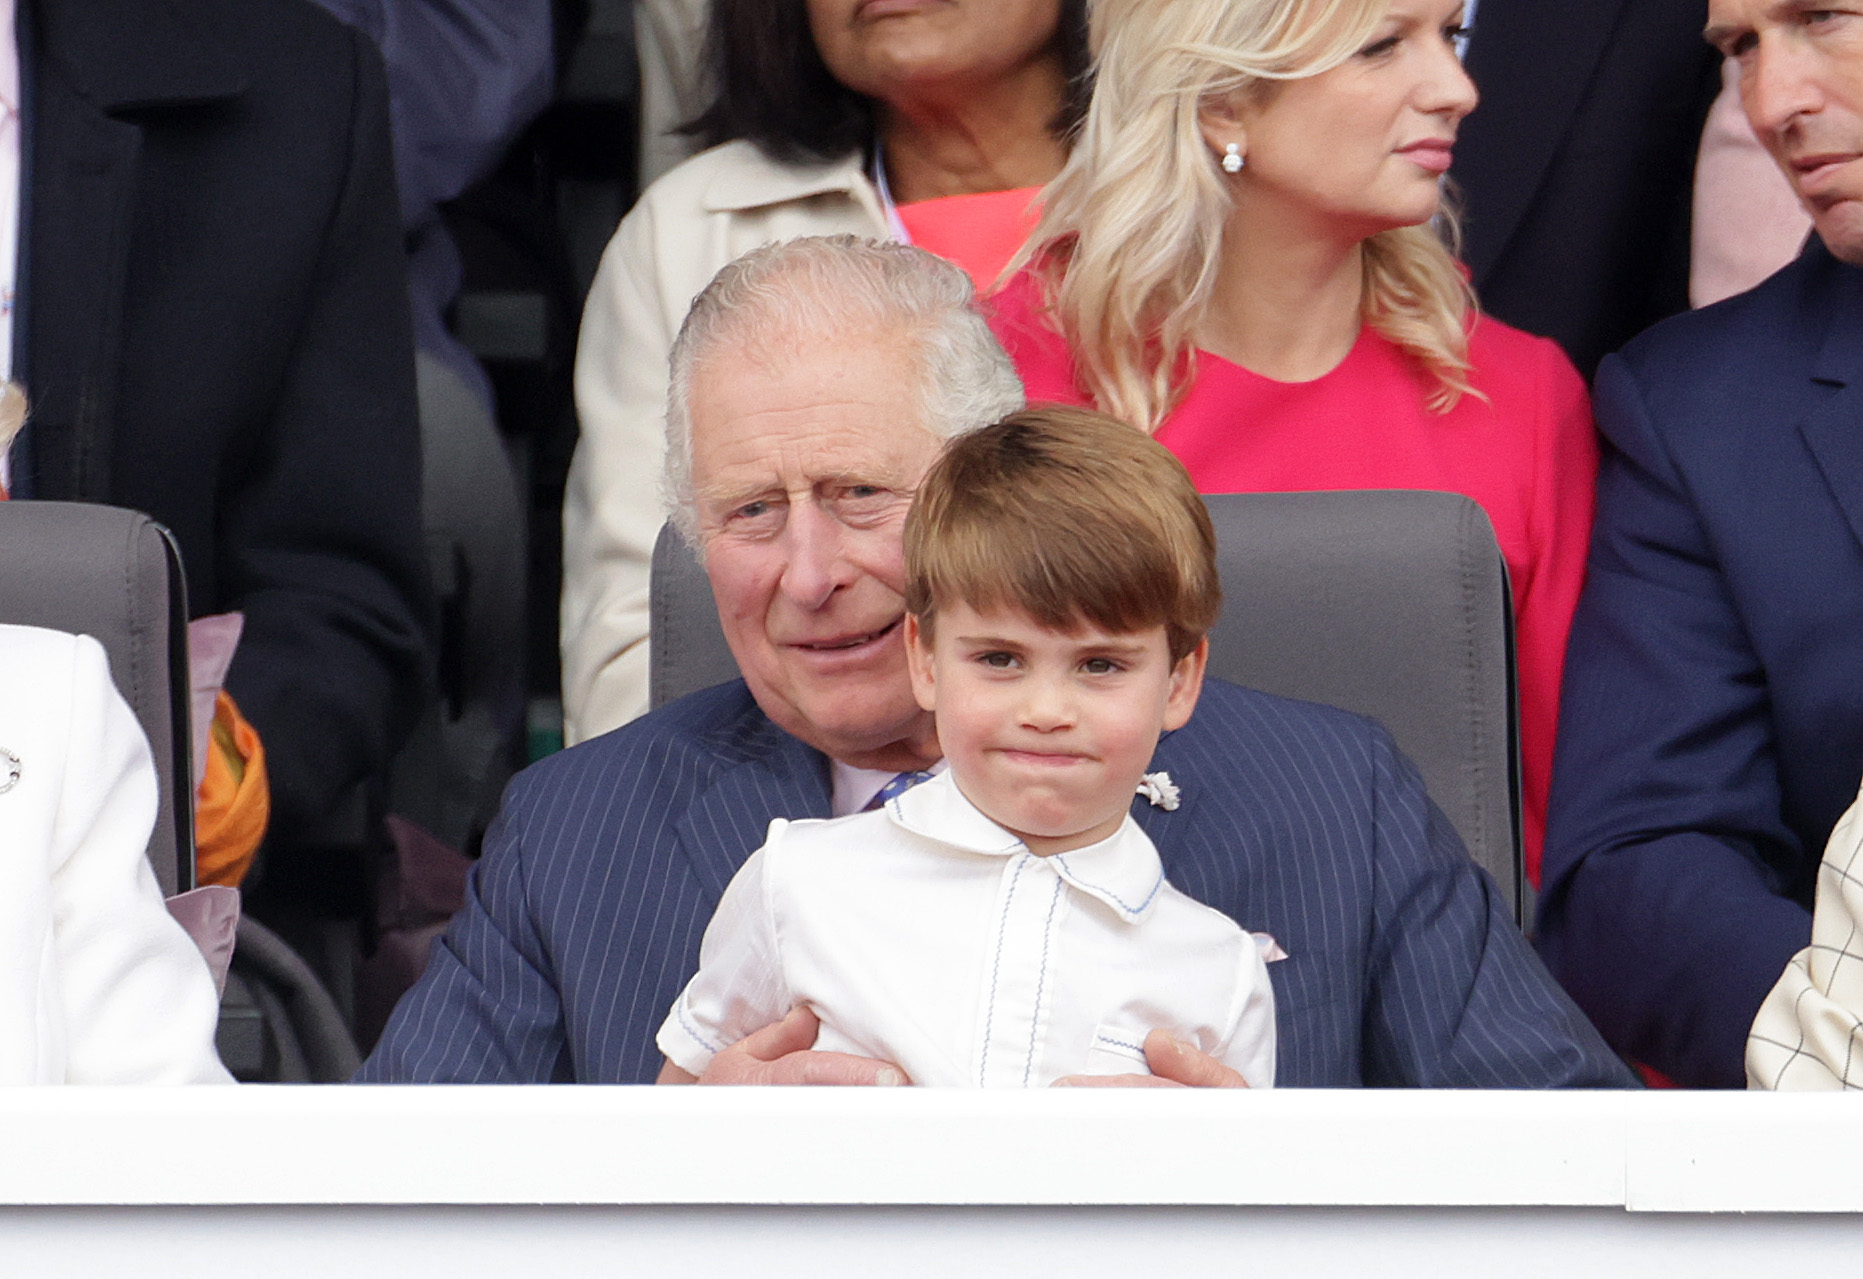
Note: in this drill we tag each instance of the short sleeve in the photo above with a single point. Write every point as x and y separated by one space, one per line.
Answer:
739 987
1249 1044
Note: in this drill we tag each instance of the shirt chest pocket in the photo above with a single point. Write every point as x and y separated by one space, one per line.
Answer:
1117 1049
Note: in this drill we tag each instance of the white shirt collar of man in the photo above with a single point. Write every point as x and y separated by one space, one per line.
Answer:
1122 870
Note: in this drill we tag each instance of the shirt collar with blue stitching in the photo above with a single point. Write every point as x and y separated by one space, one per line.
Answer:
1122 870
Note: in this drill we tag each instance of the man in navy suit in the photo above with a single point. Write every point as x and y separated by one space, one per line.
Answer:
1712 729
810 387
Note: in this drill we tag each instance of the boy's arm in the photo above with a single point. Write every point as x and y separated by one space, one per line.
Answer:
740 984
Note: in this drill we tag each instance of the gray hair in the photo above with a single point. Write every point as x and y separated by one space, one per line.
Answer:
842 284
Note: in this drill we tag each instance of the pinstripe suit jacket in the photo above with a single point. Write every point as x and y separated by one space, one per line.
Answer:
583 919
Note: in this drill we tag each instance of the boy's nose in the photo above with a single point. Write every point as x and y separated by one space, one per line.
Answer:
1046 705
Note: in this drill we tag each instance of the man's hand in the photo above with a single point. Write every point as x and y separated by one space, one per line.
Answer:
781 1054
1173 1064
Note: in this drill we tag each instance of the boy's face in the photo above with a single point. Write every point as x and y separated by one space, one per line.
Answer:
1048 733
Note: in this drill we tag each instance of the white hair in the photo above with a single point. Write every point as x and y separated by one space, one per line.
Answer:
837 285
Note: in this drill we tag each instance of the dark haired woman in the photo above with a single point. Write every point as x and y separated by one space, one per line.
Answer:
931 121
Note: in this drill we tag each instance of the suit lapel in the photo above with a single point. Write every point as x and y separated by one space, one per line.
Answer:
88 62
780 777
1533 63
1833 431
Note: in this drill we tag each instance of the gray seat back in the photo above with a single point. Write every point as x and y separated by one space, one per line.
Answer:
115 575
1392 604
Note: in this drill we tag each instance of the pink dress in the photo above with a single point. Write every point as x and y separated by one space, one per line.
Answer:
978 232
1528 455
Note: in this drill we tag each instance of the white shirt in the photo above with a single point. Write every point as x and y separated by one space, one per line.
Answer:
854 788
926 935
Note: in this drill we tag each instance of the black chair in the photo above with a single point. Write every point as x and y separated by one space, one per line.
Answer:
1391 604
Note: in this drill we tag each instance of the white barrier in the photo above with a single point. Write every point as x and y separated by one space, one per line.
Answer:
909 1182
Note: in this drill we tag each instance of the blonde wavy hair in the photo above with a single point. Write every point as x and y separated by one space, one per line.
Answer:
1130 239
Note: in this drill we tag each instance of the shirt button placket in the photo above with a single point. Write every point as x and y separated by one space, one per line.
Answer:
1016 985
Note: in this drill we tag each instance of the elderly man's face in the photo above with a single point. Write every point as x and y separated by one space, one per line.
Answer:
1801 82
804 463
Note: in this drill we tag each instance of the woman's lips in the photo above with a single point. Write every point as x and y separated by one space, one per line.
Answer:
874 9
1432 155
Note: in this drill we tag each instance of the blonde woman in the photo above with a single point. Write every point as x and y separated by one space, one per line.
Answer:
1246 255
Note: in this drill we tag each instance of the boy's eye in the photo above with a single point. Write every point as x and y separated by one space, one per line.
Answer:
1099 666
997 660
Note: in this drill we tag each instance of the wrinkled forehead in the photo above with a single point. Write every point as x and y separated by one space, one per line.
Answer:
796 409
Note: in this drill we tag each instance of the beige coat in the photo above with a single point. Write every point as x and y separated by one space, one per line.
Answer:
1808 1035
705 213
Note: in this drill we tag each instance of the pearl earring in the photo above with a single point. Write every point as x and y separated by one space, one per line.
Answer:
1232 158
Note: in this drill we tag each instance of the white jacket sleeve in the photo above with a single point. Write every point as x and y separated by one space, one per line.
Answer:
739 987
138 1001
612 509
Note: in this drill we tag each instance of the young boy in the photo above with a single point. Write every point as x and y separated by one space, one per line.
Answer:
1006 923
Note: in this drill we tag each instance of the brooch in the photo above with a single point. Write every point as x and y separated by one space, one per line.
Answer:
9 770
1160 790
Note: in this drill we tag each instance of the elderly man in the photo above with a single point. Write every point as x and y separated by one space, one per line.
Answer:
1712 730
810 386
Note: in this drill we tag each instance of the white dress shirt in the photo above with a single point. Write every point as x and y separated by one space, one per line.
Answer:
854 788
926 935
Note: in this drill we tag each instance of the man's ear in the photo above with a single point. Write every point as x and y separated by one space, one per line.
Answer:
919 664
1186 685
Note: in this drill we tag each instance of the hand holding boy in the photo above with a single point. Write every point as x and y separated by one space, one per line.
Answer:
781 1054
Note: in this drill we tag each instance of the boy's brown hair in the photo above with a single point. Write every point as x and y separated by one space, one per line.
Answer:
1071 517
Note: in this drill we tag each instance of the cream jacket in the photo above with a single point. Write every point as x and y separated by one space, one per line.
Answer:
1808 1035
708 211
97 983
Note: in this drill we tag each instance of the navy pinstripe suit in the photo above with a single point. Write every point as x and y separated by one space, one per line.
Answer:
583 919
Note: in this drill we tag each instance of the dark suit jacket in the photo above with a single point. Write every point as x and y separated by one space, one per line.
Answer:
213 328
583 920
1712 728
1577 169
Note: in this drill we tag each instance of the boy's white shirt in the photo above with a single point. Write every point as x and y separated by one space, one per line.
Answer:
926 935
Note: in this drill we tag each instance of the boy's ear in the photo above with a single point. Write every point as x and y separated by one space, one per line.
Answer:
1186 685
919 664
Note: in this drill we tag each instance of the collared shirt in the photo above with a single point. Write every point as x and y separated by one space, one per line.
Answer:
854 788
926 935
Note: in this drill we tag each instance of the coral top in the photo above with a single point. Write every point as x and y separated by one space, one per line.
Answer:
979 232
1528 455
